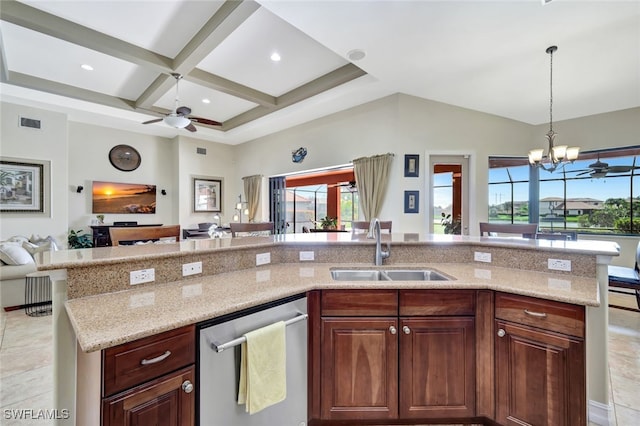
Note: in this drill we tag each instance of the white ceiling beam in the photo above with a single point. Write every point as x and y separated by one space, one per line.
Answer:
321 84
48 86
226 20
229 87
36 20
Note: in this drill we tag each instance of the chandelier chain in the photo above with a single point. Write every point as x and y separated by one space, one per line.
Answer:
551 94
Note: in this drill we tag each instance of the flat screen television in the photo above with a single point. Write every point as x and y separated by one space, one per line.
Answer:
123 198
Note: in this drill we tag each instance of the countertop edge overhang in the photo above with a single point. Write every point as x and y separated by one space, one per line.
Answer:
111 319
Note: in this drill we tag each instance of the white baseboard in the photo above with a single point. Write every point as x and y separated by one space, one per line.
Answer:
600 414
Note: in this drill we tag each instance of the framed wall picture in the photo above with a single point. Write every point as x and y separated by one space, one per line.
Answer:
21 187
411 165
207 195
411 201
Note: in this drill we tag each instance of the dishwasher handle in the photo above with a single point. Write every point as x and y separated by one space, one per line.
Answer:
219 347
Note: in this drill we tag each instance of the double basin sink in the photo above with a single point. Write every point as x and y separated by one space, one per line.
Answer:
387 275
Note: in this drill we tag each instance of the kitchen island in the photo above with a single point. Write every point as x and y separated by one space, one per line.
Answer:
103 310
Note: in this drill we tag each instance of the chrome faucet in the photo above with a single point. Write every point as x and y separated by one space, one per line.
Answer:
374 227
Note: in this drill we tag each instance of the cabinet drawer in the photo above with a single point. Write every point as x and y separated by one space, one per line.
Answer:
437 302
546 314
136 362
359 303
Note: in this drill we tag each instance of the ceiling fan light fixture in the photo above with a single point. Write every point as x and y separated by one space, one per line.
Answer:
177 121
557 156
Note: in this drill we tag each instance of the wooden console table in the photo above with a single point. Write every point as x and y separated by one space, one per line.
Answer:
101 236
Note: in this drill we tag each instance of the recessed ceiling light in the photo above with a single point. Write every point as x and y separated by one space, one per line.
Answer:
356 54
206 101
275 57
86 67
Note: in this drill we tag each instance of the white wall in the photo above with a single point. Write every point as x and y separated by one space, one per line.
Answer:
47 144
399 123
218 163
89 147
404 124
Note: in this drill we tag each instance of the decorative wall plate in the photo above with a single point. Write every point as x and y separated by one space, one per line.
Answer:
125 158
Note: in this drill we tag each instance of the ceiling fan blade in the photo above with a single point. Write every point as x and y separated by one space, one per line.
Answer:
205 121
583 172
619 169
191 128
183 110
156 120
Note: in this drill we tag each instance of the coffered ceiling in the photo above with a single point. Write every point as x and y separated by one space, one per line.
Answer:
486 56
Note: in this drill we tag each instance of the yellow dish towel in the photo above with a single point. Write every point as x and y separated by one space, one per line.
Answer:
263 373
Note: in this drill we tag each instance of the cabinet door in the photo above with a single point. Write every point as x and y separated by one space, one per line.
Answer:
540 377
359 368
162 402
437 367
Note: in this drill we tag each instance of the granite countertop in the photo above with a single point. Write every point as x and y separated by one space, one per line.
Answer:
111 319
119 254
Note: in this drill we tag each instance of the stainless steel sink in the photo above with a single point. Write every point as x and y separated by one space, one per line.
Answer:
415 275
387 275
357 275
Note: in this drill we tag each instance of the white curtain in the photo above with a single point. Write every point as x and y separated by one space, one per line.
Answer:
252 187
372 178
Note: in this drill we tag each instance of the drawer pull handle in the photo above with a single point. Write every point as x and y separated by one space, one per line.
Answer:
406 330
535 314
392 330
501 333
156 359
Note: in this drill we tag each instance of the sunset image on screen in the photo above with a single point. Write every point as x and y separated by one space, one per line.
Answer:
114 197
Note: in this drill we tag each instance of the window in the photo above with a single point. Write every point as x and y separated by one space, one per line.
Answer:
312 196
599 193
305 206
442 199
508 190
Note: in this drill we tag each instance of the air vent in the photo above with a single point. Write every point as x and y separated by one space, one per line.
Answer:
31 123
202 151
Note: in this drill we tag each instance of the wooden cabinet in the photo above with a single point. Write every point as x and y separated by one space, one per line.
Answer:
437 367
150 381
161 402
540 362
388 354
359 368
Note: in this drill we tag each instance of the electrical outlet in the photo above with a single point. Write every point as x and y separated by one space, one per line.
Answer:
559 265
263 258
307 255
142 276
479 256
191 268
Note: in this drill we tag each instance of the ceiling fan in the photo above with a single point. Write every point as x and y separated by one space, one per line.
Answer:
179 117
600 169
351 185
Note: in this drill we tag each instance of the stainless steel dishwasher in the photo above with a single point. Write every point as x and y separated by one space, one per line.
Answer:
219 366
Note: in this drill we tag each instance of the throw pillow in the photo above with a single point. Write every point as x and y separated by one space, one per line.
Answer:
36 248
13 254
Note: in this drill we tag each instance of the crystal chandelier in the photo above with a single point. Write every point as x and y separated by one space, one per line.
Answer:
556 156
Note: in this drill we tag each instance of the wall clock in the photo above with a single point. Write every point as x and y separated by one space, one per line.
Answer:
125 158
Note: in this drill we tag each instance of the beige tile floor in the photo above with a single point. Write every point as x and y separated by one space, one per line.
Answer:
26 375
